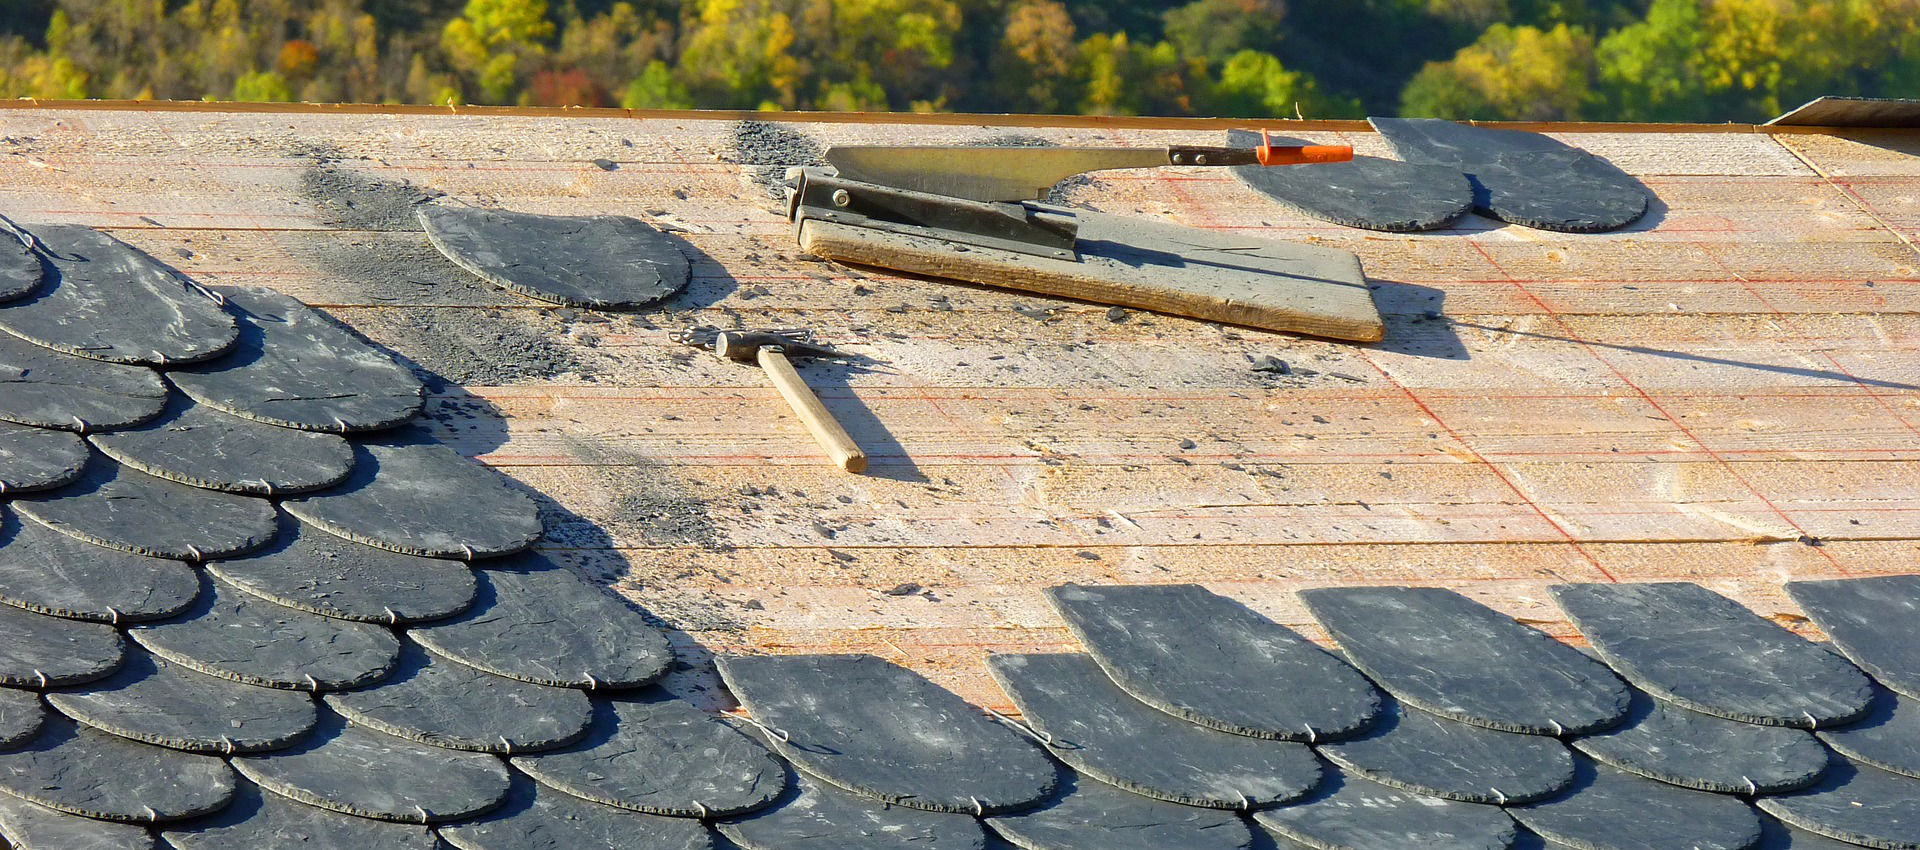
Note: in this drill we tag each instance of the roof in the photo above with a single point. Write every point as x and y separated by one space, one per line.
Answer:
1722 394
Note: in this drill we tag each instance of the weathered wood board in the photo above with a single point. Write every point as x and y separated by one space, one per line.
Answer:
1727 392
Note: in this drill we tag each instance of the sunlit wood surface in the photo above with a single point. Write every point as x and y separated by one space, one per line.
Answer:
1727 393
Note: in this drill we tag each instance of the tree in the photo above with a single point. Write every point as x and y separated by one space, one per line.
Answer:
736 56
262 87
491 39
1255 85
1034 63
1518 73
1216 29
656 88
1124 78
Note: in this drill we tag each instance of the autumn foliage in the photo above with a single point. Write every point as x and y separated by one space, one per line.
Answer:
1693 60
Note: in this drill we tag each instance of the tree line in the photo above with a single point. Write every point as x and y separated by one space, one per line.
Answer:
1635 60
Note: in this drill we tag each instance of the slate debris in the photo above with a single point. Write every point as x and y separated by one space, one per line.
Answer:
1441 652
321 573
881 730
45 571
39 651
91 773
1874 622
152 701
1351 813
20 717
235 635
540 623
1694 750
814 815
1368 192
448 704
1524 178
263 819
293 366
47 389
1855 803
20 270
1686 644
1413 750
31 826
357 771
536 818
1610 809
117 507
37 458
1887 738
609 262
423 499
201 447
1095 816
1100 731
659 754
105 300
1212 661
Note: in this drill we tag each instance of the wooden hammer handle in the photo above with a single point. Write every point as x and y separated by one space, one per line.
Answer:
825 429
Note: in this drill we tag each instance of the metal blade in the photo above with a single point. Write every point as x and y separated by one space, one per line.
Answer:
983 173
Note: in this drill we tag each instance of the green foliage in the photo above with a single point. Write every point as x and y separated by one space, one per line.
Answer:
1511 72
1653 60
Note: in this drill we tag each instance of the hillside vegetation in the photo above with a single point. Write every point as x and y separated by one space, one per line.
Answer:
1639 60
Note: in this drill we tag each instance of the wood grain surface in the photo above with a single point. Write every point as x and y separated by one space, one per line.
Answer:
1727 392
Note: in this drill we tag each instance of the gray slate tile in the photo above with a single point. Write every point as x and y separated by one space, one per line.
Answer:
1099 730
1369 192
814 815
38 458
322 573
199 446
1701 751
1688 645
1093 815
426 500
47 389
661 755
1525 178
87 772
1855 803
1352 813
1417 751
121 508
881 730
605 261
235 635
152 701
1775 835
108 301
1887 738
536 818
350 769
1874 621
31 826
1215 662
1441 652
448 704
21 716
294 366
45 571
1611 809
265 820
538 622
20 271
41 651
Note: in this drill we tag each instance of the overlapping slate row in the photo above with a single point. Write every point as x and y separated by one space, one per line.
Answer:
208 728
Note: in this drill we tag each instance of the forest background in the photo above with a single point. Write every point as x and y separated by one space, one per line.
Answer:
1624 60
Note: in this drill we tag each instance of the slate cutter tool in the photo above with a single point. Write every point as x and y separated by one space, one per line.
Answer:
772 349
974 214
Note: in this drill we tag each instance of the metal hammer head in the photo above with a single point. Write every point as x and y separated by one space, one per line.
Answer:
744 345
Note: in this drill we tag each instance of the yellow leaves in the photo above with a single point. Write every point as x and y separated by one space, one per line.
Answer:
1510 72
509 22
1040 34
262 87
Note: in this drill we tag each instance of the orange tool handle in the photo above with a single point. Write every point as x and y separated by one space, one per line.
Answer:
1270 154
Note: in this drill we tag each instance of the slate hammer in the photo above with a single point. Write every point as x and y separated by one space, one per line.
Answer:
771 350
